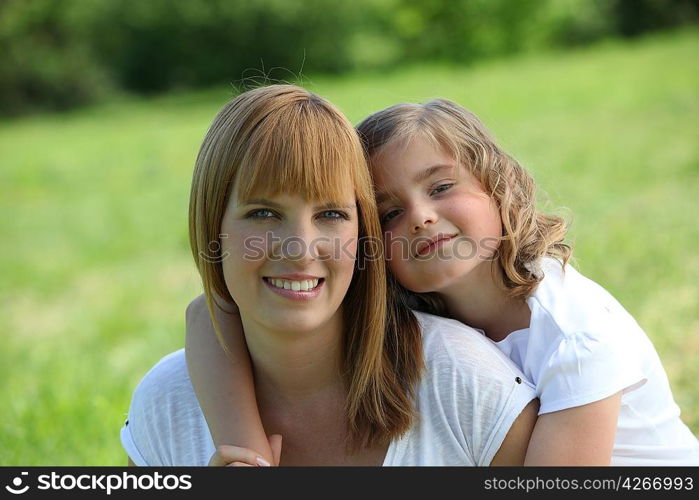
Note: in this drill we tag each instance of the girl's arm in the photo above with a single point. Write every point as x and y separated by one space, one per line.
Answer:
224 387
583 435
513 450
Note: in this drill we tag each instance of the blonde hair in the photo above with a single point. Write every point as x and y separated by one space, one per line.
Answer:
528 234
281 139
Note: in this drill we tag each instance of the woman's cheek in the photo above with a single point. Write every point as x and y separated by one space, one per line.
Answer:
347 251
252 246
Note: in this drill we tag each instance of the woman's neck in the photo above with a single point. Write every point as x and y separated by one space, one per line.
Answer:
480 300
302 396
295 365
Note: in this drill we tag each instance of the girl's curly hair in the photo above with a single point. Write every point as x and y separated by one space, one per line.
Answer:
528 233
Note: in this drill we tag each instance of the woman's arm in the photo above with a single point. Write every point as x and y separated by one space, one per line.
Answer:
583 435
513 449
224 387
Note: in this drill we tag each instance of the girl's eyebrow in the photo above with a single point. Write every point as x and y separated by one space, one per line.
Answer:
382 196
429 172
421 176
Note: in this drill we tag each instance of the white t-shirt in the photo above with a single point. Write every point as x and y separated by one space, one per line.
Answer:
583 346
468 398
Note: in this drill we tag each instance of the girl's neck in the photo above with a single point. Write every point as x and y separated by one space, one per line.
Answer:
480 300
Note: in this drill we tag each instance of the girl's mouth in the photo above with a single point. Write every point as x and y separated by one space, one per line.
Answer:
426 247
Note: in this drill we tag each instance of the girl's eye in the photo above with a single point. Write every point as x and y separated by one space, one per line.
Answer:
388 216
442 188
262 214
334 215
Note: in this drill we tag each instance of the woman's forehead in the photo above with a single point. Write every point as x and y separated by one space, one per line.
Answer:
346 198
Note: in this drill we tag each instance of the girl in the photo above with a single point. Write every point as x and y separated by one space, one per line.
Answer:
463 213
461 231
343 371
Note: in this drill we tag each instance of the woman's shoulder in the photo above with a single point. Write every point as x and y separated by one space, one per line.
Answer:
468 398
163 409
169 374
450 345
165 391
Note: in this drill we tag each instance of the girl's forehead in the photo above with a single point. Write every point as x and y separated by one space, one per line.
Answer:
397 159
412 151
397 174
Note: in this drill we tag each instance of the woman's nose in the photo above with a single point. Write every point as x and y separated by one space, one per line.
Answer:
297 244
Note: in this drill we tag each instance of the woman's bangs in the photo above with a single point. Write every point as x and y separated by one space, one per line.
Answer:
302 151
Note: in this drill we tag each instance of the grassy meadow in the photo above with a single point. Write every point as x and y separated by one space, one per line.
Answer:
95 267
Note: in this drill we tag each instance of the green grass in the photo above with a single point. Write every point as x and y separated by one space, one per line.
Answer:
95 264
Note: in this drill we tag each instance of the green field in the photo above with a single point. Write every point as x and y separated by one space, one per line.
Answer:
94 256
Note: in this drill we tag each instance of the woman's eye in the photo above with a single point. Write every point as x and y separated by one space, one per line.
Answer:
333 215
262 213
388 216
441 188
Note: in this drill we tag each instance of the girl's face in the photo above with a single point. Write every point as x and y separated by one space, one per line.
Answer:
439 224
288 262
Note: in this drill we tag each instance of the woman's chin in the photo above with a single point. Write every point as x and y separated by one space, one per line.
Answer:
294 323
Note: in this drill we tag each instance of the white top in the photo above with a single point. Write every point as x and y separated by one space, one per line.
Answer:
582 346
467 400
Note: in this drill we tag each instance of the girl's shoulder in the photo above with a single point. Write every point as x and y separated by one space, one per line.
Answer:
582 345
566 303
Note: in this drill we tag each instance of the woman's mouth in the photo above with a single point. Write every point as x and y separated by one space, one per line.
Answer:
304 289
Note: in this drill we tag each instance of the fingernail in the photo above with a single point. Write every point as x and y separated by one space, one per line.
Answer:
262 462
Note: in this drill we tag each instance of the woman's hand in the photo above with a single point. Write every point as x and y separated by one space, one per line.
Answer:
235 456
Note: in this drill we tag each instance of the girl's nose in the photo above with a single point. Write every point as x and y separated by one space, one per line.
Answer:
422 216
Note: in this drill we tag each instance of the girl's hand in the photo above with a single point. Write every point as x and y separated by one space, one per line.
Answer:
235 456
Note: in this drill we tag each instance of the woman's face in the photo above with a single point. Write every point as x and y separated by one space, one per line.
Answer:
288 263
439 224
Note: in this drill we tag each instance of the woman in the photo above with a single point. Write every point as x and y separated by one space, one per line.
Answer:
283 224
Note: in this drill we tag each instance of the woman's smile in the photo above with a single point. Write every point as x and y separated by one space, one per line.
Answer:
295 289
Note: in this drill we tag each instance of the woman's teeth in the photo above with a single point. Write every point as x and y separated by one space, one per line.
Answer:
303 285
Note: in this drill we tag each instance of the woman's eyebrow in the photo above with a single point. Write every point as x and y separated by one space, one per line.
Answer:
260 201
331 204
274 204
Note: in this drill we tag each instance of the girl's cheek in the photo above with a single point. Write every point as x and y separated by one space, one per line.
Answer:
397 250
393 265
387 246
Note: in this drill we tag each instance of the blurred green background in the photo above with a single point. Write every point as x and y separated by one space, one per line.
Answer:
105 104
